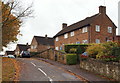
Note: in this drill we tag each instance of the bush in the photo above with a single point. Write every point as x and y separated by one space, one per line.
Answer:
94 49
71 59
75 48
109 51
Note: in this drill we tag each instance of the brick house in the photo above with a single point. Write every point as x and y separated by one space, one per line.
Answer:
21 47
40 43
9 53
98 28
118 38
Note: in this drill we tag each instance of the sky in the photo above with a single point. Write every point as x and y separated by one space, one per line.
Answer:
50 14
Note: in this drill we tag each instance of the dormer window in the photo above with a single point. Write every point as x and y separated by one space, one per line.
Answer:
72 33
97 28
109 29
84 30
66 35
57 39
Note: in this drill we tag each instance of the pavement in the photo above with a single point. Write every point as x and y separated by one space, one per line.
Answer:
76 70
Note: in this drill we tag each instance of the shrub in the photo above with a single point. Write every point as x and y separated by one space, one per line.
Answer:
94 50
75 48
109 51
71 59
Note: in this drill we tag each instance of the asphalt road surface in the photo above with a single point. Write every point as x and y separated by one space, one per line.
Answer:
37 70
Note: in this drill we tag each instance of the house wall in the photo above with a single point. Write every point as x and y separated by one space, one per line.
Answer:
78 37
104 22
34 45
17 51
118 39
41 47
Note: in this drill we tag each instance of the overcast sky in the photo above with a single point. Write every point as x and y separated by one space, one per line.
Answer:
50 14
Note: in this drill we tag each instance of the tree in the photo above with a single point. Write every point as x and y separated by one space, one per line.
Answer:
13 15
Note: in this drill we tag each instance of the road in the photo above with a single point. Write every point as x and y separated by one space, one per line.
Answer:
37 70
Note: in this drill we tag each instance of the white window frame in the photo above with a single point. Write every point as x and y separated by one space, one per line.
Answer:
72 33
85 41
66 35
109 29
97 41
57 48
57 39
32 47
97 28
85 29
35 46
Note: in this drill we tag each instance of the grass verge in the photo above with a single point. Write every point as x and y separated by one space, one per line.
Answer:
10 69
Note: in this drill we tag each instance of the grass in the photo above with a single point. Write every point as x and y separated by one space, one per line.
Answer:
9 69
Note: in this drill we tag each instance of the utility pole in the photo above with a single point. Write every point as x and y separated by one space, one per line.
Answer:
0 26
119 18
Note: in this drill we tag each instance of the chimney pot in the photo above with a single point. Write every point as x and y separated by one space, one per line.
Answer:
46 36
102 9
64 25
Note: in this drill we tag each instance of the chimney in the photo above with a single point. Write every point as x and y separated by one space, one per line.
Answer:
46 36
102 9
64 25
119 18
27 44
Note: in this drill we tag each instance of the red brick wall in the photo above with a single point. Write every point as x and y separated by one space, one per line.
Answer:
78 37
104 22
91 35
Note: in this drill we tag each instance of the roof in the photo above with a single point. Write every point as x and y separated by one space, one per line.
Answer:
23 47
44 40
86 22
10 52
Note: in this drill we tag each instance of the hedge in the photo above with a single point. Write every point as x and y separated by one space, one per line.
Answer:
71 59
76 48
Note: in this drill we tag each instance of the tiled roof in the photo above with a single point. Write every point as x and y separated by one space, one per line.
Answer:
23 47
86 22
10 52
44 40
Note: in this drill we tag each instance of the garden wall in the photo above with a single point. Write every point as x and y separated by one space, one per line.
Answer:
109 69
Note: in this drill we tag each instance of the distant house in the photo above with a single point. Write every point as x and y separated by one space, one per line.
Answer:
98 28
40 43
9 53
118 38
20 48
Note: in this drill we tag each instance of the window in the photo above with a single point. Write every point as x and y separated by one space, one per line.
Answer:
72 34
97 28
77 42
109 29
32 47
65 35
61 48
35 46
57 39
97 41
56 48
84 30
85 41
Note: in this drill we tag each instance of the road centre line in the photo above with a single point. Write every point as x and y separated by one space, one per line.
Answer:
33 64
45 75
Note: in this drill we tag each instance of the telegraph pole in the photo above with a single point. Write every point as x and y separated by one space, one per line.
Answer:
119 18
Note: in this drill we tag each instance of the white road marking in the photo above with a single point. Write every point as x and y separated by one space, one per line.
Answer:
45 75
42 71
33 64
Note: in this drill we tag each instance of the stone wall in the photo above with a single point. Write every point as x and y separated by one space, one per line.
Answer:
53 55
109 69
